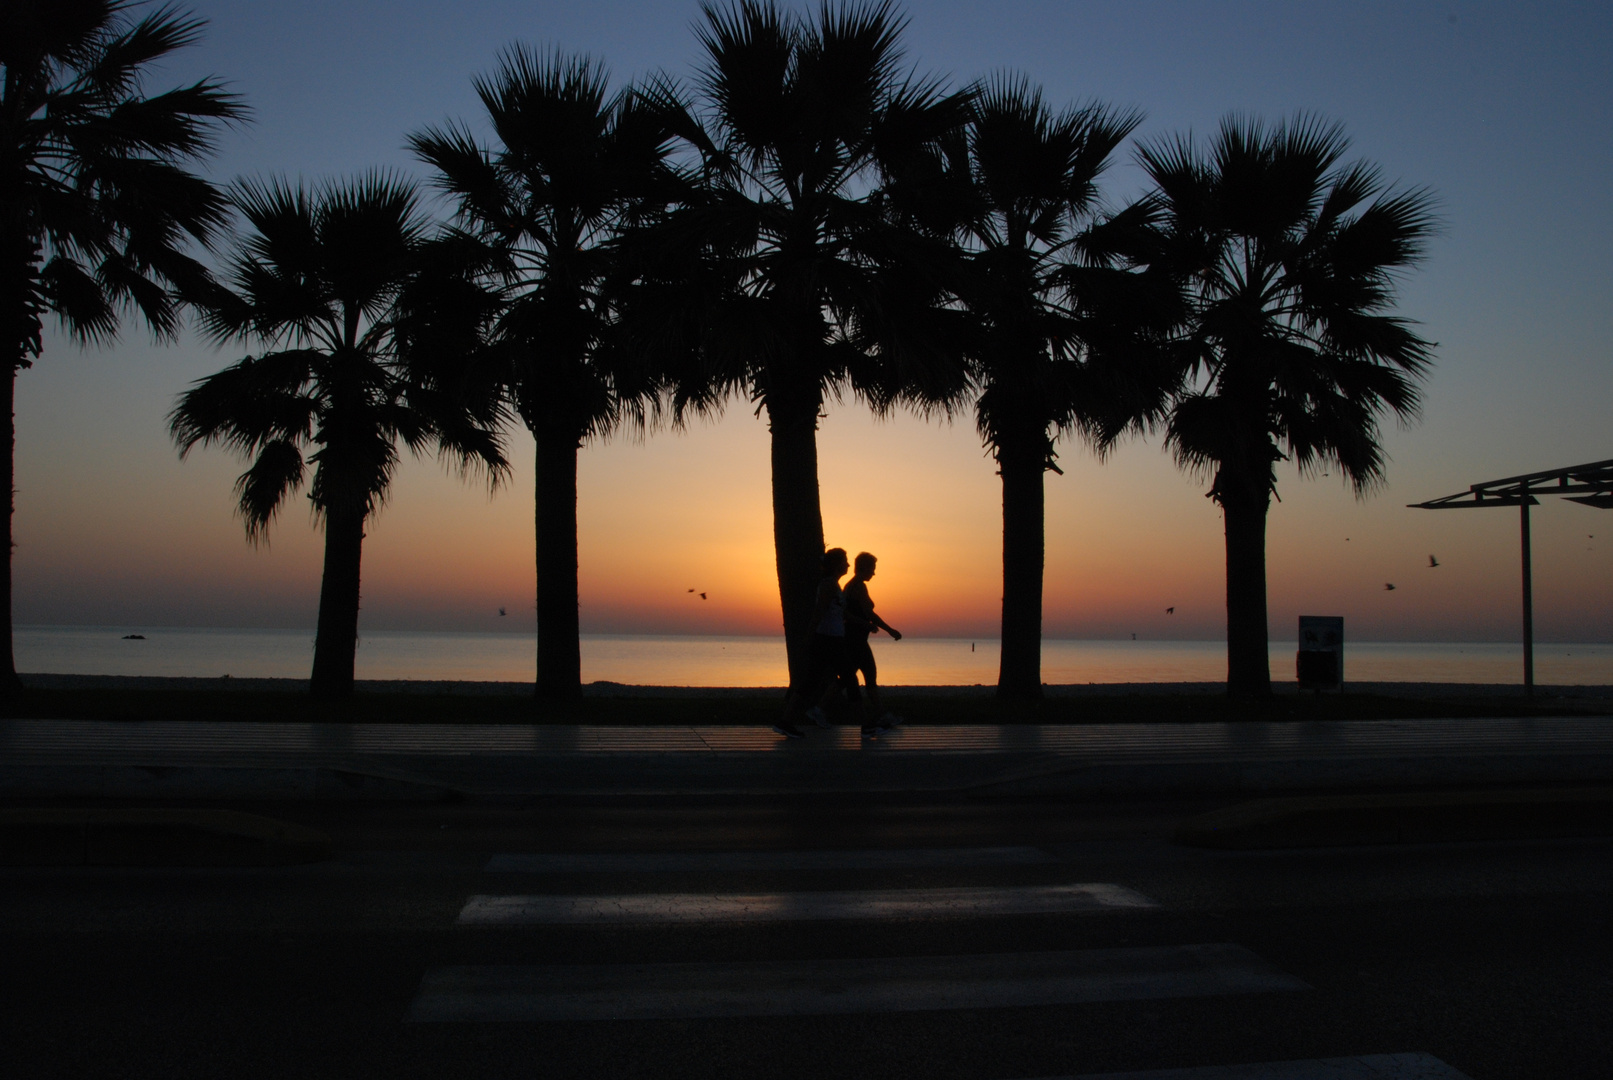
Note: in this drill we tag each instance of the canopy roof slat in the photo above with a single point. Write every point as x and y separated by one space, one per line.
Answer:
1590 484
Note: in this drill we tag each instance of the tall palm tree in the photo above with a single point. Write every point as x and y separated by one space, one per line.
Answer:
1289 259
573 166
337 285
1057 325
96 201
787 268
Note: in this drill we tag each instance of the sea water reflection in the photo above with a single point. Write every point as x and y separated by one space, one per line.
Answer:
750 661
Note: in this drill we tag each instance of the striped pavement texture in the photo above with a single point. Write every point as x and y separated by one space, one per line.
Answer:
1367 1067
213 741
640 908
513 992
682 862
827 986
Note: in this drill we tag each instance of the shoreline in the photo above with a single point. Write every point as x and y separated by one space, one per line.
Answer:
604 689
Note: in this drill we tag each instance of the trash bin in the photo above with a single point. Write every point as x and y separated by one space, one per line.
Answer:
1317 667
1319 664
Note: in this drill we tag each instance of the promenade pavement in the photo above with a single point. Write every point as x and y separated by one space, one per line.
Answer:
296 761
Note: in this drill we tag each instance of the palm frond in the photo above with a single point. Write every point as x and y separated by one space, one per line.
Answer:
77 298
275 473
1287 262
106 194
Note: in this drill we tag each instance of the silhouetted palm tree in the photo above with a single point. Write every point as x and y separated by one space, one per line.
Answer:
573 165
338 285
1289 260
96 205
793 280
1056 328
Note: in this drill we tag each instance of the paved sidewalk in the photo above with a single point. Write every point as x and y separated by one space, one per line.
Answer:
178 759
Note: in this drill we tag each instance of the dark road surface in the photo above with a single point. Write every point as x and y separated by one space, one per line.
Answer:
1495 959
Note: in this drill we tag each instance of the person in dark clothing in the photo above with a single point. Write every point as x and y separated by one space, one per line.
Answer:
861 620
830 662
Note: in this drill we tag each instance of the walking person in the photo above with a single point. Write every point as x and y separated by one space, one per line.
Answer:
829 661
861 620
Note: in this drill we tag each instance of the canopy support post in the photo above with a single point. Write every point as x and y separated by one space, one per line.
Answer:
1528 600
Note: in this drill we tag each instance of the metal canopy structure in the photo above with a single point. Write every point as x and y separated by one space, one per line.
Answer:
1590 485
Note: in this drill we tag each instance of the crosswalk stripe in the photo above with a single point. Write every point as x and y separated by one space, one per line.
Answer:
819 987
790 906
742 861
1367 1067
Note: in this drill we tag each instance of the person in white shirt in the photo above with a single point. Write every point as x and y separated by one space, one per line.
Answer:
829 662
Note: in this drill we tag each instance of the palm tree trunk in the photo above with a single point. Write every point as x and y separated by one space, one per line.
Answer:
1023 466
19 310
10 685
336 639
559 648
797 520
1244 502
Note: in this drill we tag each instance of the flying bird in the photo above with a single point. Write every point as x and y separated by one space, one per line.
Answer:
1170 611
702 596
1388 587
1432 562
501 611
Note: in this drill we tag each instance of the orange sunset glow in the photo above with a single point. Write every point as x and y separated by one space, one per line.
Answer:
676 510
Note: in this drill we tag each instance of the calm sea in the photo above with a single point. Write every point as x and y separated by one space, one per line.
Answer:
745 661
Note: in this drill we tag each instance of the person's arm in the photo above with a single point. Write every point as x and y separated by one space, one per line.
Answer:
896 635
872 618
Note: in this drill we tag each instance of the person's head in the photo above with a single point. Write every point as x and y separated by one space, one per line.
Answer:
865 565
834 562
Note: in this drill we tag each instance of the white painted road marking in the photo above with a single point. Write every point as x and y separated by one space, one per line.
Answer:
817 987
741 861
1368 1067
788 906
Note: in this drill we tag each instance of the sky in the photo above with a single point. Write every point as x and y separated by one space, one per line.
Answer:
1502 111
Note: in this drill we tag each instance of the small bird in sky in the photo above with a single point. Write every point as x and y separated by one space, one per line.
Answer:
1432 562
702 596
1170 611
1387 587
501 611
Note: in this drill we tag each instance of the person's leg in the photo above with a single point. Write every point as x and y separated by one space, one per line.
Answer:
828 657
848 682
883 717
861 661
799 704
870 680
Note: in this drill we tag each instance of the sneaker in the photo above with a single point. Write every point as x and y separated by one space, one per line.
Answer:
890 720
789 731
818 716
